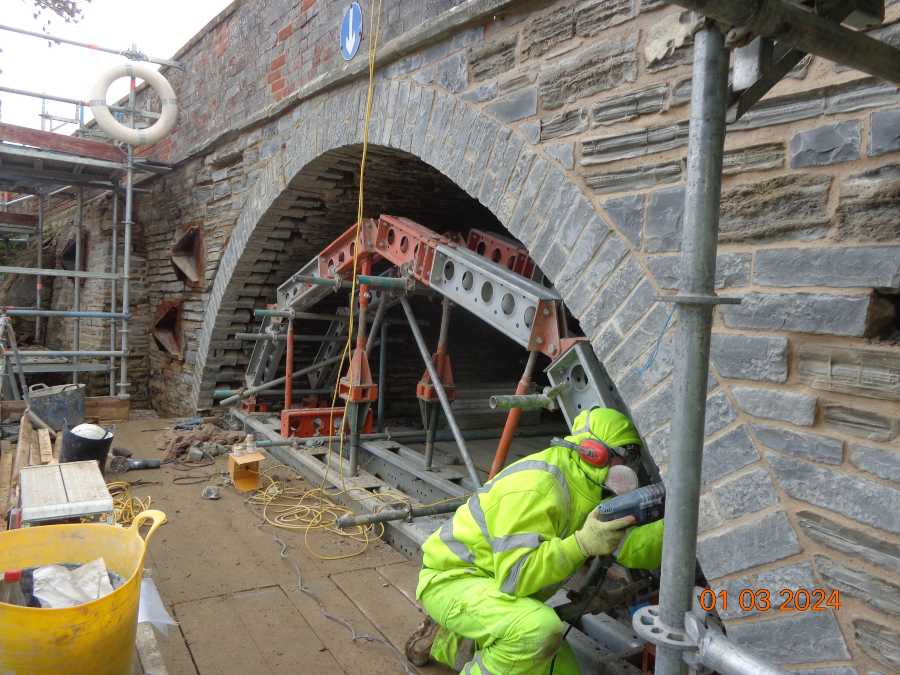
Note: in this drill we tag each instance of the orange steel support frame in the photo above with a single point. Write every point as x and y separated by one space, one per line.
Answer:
512 255
312 422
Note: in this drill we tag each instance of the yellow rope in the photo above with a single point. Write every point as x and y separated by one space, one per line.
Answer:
125 505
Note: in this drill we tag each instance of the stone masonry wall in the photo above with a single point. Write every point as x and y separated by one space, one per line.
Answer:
568 121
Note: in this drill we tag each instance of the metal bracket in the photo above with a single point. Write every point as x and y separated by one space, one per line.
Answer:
698 299
650 627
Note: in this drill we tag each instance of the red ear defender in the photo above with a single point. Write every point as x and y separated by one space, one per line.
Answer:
594 452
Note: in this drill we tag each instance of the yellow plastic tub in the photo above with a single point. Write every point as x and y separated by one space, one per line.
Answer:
96 638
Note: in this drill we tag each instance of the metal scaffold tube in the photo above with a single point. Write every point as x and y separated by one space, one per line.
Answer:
39 284
76 342
407 512
113 289
126 264
709 99
439 390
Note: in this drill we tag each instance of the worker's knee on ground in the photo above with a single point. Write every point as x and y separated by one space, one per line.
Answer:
536 634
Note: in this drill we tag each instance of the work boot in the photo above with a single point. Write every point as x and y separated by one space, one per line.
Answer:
418 647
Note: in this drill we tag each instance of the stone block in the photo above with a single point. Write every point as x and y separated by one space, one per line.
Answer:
728 453
777 404
564 153
857 498
819 313
639 178
764 540
627 213
531 130
732 269
644 337
526 196
654 140
791 206
547 31
592 17
518 79
630 106
803 444
604 262
492 59
681 92
481 93
861 423
708 516
881 462
600 68
878 642
867 206
644 376
858 372
635 306
789 577
874 591
884 132
796 637
719 413
753 158
669 42
825 145
612 295
782 110
665 214
655 411
749 493
861 266
452 74
606 342
852 541
564 124
860 95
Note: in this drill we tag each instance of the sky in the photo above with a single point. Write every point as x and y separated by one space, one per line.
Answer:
158 28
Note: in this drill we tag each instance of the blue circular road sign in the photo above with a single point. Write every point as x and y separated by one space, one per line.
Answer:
351 31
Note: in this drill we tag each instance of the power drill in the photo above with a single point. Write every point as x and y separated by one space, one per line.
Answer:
646 504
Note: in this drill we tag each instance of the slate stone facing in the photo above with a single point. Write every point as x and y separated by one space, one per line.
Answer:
873 266
825 145
669 42
547 31
750 357
630 106
793 637
654 140
753 158
884 132
627 213
513 107
764 540
861 423
776 208
719 413
879 642
867 207
881 462
612 295
851 496
858 372
777 404
452 74
665 215
748 493
566 123
728 453
601 68
803 444
874 591
592 17
627 180
854 542
492 59
819 313
564 153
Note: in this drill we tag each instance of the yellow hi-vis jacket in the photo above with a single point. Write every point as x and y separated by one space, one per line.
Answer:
519 527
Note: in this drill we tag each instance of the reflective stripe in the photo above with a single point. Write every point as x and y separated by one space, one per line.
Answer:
535 465
478 517
455 545
511 541
464 653
476 661
512 577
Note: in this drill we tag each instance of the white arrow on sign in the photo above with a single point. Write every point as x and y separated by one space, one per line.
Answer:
350 43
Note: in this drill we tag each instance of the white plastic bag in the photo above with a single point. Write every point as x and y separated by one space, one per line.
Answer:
56 586
152 610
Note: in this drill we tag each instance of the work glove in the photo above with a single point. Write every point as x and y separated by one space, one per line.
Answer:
597 537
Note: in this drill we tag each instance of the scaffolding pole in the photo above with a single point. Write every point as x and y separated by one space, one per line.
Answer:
126 256
39 284
79 216
709 99
113 290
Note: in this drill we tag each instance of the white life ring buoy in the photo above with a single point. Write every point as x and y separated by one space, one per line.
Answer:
152 134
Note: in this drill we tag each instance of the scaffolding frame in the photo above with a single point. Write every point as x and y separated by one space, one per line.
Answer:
41 164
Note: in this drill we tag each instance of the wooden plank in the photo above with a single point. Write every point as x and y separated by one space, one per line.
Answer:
6 458
257 631
108 408
48 140
20 459
57 449
27 219
45 445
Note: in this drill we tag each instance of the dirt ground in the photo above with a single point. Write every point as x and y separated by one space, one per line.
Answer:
238 602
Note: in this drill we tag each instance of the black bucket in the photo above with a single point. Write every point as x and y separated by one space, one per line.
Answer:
76 448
